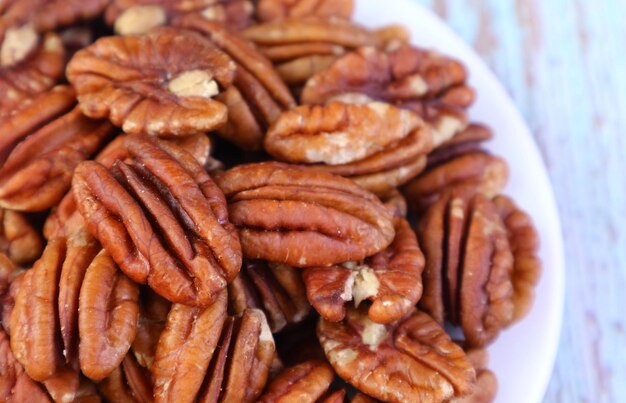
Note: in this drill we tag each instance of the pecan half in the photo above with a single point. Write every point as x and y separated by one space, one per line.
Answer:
107 319
469 265
19 240
168 91
38 171
131 17
302 47
304 382
427 83
273 10
308 218
277 289
390 279
414 360
162 219
258 94
338 133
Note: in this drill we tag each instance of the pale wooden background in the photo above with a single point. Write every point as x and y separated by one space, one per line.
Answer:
564 64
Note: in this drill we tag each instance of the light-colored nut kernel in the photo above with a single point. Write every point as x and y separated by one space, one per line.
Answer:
365 284
214 13
140 20
194 83
445 129
373 333
18 43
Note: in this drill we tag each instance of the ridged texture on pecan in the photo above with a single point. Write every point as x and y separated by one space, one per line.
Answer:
414 360
258 95
338 133
168 91
162 219
390 280
29 64
466 141
486 382
302 47
469 265
19 240
204 354
302 218
276 289
306 382
38 170
107 317
427 83
273 10
130 17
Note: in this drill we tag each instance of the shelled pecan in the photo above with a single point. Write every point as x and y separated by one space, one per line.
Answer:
128 383
390 280
19 239
258 95
276 289
131 17
486 382
413 360
308 218
168 91
273 10
307 381
162 219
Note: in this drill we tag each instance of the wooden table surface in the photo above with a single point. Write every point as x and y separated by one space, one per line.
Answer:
564 64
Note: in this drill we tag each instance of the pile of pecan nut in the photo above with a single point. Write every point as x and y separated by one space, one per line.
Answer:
237 201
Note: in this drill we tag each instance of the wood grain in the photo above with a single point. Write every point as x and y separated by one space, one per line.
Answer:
564 64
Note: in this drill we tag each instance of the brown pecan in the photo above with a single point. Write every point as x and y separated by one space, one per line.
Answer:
38 171
463 142
304 382
19 240
390 279
153 312
35 338
277 289
46 15
486 173
166 92
273 10
427 83
414 360
302 218
469 265
107 319
524 241
486 382
162 219
302 47
129 17
7 300
258 94
127 383
68 385
15 384
338 133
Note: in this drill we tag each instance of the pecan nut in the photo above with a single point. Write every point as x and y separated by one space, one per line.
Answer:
307 381
486 381
127 383
427 83
162 219
153 312
68 385
469 265
273 10
131 17
168 92
107 318
38 171
414 360
19 240
277 289
390 279
258 94
308 218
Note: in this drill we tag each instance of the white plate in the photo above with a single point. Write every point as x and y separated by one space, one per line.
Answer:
523 355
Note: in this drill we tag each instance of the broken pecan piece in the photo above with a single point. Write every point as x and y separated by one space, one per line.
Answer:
162 219
277 289
167 92
305 382
273 10
258 95
302 218
131 17
390 279
469 265
413 360
19 240
38 170
409 77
